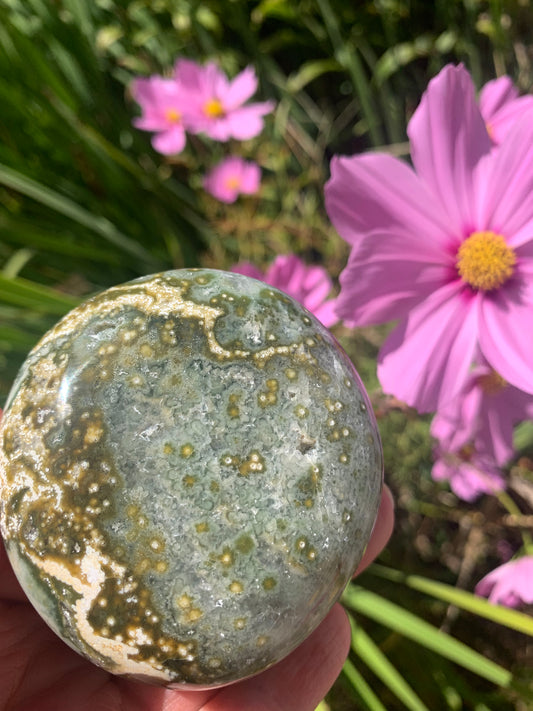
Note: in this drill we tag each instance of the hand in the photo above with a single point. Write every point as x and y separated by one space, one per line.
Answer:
38 672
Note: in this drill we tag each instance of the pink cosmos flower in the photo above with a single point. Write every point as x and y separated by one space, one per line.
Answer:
309 285
231 177
510 584
501 106
164 104
469 474
483 415
217 103
446 248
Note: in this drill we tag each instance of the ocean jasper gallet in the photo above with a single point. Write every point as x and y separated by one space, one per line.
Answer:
190 472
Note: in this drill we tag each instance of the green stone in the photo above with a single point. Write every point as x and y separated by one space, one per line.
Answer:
190 472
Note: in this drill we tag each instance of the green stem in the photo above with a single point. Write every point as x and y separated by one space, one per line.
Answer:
507 502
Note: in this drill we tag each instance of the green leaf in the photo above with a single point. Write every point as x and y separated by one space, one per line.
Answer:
348 57
102 226
523 435
17 262
400 55
361 687
461 598
36 238
11 337
22 292
81 14
309 71
280 9
406 623
373 657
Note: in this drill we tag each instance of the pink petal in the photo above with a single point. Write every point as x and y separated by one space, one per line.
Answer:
311 285
155 90
250 178
308 285
524 579
485 585
482 418
504 120
494 95
170 142
454 425
216 80
151 122
509 584
448 137
501 595
504 185
506 332
217 129
189 73
376 191
326 313
142 89
317 286
248 269
286 272
524 256
388 274
231 177
441 471
247 122
240 89
467 480
471 480
496 432
426 359
219 189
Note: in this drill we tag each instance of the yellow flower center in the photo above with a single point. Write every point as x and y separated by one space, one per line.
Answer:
214 109
232 182
172 115
485 261
491 383
466 453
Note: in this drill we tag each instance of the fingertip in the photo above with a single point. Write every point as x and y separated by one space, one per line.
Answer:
382 530
301 680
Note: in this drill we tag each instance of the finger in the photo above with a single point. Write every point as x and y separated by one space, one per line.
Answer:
299 681
382 530
139 696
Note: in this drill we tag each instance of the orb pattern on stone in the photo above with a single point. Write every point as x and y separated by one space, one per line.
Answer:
190 471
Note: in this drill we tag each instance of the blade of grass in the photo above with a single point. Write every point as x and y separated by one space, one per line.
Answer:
22 292
15 231
523 435
11 337
361 687
368 651
110 152
348 58
101 225
308 72
81 13
461 598
20 50
406 623
17 262
71 71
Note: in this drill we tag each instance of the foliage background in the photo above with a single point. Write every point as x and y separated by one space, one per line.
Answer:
85 203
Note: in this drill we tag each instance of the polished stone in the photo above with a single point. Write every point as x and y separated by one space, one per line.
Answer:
190 472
